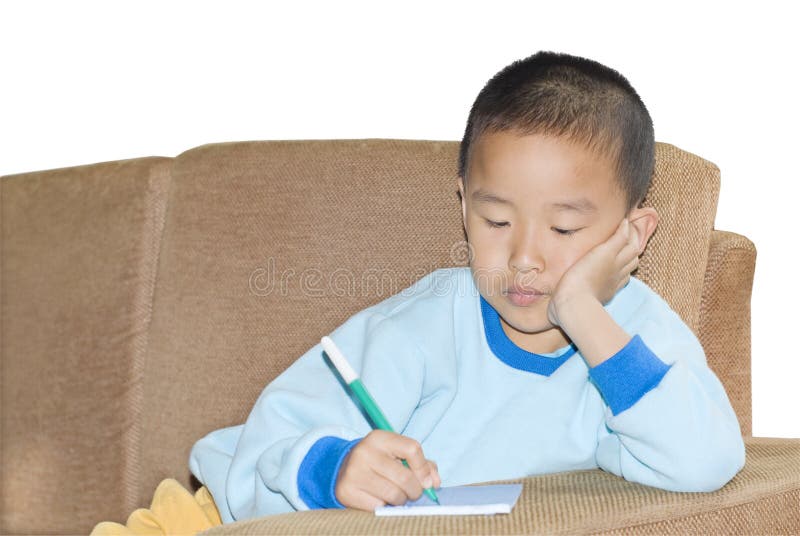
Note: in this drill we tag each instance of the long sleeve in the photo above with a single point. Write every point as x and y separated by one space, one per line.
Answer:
668 422
319 471
442 370
309 402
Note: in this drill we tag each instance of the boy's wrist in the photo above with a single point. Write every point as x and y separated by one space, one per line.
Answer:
568 306
628 375
317 475
587 323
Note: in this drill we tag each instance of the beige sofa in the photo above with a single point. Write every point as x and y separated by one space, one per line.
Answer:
146 302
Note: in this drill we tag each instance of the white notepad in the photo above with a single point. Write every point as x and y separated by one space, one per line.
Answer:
460 501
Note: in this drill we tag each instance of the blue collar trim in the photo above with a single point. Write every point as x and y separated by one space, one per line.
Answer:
514 356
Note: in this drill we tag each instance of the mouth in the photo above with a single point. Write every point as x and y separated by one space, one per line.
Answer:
524 291
522 297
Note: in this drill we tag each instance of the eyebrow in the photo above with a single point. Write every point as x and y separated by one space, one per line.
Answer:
488 197
581 205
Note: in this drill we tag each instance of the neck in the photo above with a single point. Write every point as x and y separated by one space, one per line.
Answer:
544 342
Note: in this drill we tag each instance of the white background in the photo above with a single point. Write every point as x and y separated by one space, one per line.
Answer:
84 82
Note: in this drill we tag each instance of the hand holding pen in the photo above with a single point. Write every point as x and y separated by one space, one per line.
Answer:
370 476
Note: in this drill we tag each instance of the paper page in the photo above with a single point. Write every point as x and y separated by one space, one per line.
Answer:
460 501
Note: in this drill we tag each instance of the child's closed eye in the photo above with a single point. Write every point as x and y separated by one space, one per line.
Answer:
500 224
566 232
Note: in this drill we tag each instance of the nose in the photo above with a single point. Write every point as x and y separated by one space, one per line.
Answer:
526 254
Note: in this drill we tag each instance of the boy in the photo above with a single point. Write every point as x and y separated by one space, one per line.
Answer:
544 356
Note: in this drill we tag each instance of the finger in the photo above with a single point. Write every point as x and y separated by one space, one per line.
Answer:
411 451
626 272
360 499
625 255
631 266
392 448
372 468
434 469
630 248
634 238
355 475
621 232
388 489
622 283
401 477
621 236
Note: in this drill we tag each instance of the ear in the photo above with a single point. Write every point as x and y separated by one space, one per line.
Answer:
463 193
644 220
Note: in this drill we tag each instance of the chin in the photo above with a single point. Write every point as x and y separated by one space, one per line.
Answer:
531 329
533 322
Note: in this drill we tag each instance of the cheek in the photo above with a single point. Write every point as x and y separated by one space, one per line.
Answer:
482 256
567 255
483 241
560 264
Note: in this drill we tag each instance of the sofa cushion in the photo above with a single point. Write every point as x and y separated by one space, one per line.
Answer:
79 250
760 499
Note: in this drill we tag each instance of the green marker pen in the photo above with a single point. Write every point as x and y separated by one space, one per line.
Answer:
351 378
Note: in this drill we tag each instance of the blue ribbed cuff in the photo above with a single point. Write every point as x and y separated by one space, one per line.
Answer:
628 375
316 478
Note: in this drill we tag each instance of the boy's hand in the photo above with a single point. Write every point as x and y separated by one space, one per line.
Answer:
600 273
372 474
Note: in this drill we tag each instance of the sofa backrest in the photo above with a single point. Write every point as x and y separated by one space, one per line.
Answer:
147 302
269 245
79 251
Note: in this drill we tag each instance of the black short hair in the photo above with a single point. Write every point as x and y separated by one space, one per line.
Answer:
581 99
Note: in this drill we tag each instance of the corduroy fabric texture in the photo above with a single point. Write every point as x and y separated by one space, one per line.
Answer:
79 249
761 499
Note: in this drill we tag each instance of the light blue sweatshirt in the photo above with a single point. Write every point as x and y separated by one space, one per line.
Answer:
438 363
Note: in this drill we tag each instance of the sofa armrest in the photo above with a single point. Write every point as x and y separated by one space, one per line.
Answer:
79 253
761 499
724 321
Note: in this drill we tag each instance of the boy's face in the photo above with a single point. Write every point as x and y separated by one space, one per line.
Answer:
534 237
